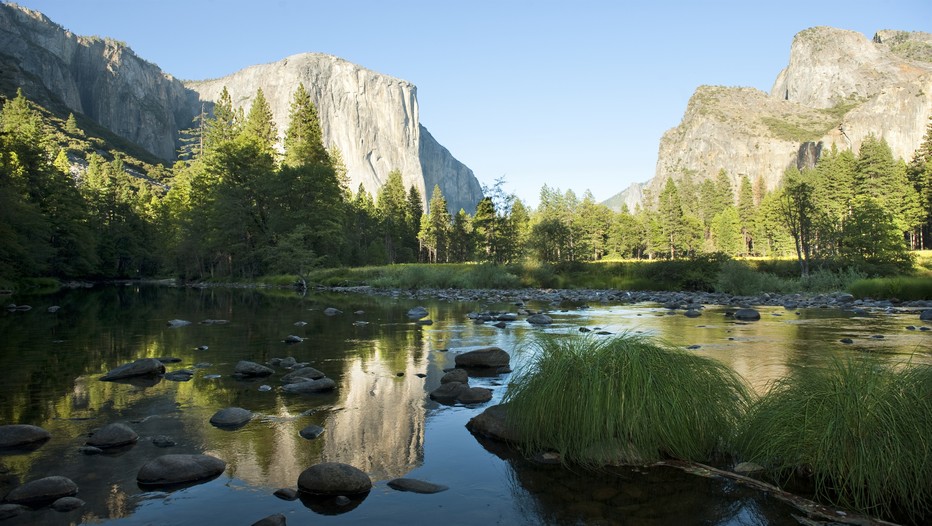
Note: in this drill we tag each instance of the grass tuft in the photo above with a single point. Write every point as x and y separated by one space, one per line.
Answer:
862 429
624 400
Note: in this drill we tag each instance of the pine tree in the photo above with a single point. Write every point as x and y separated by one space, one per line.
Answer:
304 139
260 124
670 219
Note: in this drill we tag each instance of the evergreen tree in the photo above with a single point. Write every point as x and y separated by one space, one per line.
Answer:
260 124
435 231
392 207
746 210
462 242
304 139
670 220
726 231
225 124
798 213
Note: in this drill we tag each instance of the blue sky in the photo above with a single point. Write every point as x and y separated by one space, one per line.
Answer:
572 94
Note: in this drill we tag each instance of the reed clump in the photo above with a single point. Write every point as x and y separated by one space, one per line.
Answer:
623 400
863 430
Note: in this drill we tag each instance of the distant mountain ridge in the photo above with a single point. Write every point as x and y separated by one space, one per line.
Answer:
838 88
372 118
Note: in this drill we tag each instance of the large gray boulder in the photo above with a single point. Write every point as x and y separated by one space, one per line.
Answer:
141 367
113 435
231 417
42 491
334 478
487 357
21 435
321 385
251 369
179 469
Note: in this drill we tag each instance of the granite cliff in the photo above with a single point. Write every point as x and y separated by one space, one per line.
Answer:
838 88
372 118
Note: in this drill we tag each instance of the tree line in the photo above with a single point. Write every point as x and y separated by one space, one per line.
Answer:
234 206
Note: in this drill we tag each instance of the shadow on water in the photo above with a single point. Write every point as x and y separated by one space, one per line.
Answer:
379 417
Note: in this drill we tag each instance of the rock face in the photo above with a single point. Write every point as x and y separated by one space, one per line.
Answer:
101 78
838 88
372 118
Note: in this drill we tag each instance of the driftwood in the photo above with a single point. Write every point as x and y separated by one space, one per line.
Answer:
810 508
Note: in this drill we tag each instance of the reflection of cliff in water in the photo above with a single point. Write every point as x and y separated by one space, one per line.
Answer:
381 429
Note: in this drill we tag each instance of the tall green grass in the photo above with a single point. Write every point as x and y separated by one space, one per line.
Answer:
624 400
864 431
904 288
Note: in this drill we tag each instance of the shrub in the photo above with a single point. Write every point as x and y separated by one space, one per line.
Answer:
861 428
904 288
622 400
738 278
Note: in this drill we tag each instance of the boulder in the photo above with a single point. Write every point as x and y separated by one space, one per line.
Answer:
493 423
311 432
330 311
926 315
42 491
416 486
21 435
302 374
231 417
474 395
539 319
747 315
448 392
251 369
310 386
508 316
113 435
417 313
486 357
455 375
67 504
141 367
179 469
334 478
286 493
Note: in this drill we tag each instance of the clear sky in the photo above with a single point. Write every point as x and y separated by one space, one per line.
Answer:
572 94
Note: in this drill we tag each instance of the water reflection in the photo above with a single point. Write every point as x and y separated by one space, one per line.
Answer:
378 419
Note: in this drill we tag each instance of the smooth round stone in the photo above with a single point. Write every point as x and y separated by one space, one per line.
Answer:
19 435
113 435
539 319
141 367
334 478
162 441
417 313
252 369
455 375
179 469
485 357
302 374
286 493
310 386
474 395
311 432
416 486
692 313
42 491
8 511
231 417
447 392
90 450
67 504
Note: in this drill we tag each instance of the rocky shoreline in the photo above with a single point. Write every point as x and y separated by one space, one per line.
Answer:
670 300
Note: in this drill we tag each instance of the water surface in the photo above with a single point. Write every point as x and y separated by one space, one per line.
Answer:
379 418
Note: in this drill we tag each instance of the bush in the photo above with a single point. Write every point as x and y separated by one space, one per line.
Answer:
622 400
738 278
861 429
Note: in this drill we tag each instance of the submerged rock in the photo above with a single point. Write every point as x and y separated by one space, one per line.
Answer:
302 374
334 478
416 486
272 520
251 369
417 313
113 435
331 311
539 319
141 367
179 469
286 493
20 435
67 504
311 432
310 386
747 315
42 491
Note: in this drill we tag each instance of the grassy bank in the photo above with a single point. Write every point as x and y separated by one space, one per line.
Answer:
708 274
856 432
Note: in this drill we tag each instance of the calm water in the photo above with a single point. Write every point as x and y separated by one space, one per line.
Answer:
379 419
